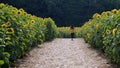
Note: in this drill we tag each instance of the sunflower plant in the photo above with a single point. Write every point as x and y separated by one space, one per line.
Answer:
103 32
20 31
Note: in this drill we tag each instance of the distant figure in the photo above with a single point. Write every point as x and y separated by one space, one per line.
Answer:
72 32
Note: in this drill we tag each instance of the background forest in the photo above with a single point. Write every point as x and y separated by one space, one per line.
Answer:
65 12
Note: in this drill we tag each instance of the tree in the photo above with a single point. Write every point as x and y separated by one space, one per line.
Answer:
65 12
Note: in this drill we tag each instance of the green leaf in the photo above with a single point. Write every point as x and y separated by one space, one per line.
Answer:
1 39
6 54
113 50
8 38
1 62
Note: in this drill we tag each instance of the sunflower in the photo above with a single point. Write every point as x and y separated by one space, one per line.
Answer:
107 31
24 26
103 13
8 24
25 13
3 25
115 11
13 11
96 15
10 31
32 21
106 14
2 5
19 12
114 31
89 22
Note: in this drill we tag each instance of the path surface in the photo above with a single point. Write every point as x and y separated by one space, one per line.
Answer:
64 53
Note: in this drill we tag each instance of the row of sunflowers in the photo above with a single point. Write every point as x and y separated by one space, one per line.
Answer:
103 31
19 31
64 32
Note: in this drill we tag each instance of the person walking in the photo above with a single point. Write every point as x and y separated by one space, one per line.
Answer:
72 32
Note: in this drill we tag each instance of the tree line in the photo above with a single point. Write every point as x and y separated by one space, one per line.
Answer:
65 12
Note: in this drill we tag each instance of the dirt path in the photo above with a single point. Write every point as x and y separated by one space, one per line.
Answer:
64 53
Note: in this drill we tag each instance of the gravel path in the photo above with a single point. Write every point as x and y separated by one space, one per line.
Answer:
64 53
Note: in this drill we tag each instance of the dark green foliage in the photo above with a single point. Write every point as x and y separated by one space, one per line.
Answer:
65 12
64 32
103 32
20 31
51 29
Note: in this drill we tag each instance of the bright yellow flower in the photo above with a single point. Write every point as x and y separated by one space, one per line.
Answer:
103 13
106 14
114 31
3 25
107 31
24 26
25 13
32 21
29 15
115 11
96 15
2 5
8 24
89 22
10 31
19 12
13 11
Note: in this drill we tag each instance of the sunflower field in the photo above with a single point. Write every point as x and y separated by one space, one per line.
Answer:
64 32
19 31
103 31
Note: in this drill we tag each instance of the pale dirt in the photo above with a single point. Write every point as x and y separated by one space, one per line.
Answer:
64 53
